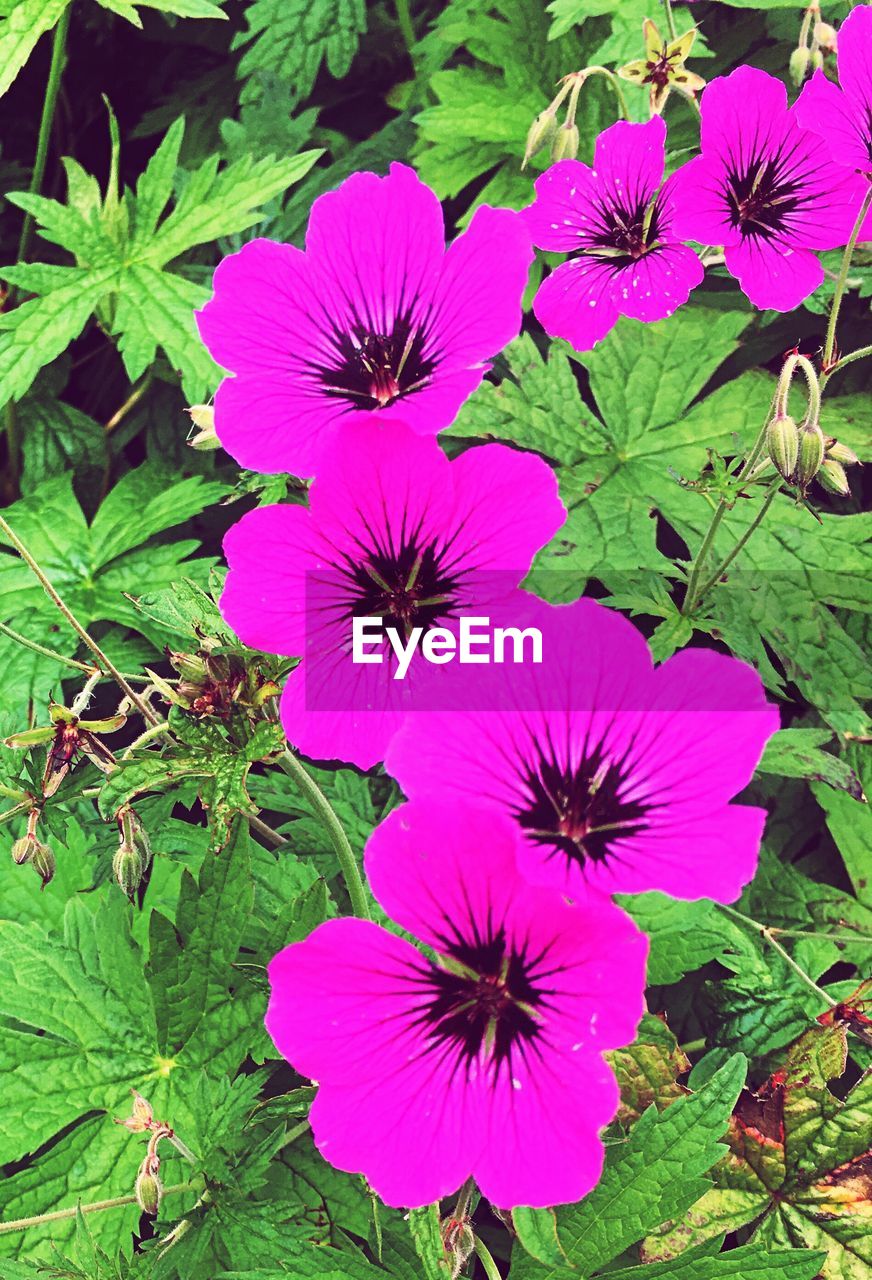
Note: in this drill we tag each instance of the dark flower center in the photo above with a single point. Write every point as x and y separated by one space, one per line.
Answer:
580 812
660 72
408 587
624 234
375 369
762 197
487 1002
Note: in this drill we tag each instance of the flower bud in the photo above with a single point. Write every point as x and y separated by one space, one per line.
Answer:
128 869
44 863
811 455
800 61
458 1240
203 418
542 131
566 143
841 453
23 850
832 477
190 666
148 1188
782 443
826 36
817 59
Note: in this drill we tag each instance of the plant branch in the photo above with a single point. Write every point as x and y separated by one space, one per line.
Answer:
407 28
55 71
841 282
728 559
257 824
485 1258
72 663
768 935
58 1215
130 403
104 663
344 853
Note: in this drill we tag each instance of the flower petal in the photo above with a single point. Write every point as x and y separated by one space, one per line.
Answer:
575 302
773 273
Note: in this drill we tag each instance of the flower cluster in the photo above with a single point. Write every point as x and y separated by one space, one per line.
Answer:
531 798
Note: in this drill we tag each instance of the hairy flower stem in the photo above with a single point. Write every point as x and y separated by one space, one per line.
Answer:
407 29
693 594
484 1256
58 1215
130 403
728 559
670 19
263 829
105 665
156 731
768 935
613 81
841 284
55 71
860 354
344 853
72 663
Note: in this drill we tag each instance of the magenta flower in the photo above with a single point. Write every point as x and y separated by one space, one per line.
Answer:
486 1064
842 118
393 530
763 189
376 314
618 774
615 222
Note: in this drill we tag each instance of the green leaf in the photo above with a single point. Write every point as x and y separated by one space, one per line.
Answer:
850 825
291 38
684 935
647 1070
646 1178
20 28
751 1260
796 753
536 1230
427 1238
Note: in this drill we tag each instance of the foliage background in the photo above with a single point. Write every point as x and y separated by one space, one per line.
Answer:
182 128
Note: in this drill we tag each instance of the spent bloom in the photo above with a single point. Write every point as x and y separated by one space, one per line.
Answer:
764 189
662 68
393 530
487 1063
842 117
618 774
375 315
615 222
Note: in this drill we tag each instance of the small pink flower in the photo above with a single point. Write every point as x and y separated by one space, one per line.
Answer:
615 222
485 1064
618 774
376 314
842 118
395 530
763 189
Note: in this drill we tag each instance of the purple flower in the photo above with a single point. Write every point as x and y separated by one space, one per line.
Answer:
393 530
376 314
615 222
486 1064
763 189
618 774
843 117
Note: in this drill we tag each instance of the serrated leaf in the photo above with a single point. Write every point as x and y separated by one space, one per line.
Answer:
20 29
796 753
750 1260
647 1070
291 38
658 1167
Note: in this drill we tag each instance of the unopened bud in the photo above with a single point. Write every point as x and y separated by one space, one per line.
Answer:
782 443
148 1188
817 60
825 36
841 453
811 455
565 143
542 131
458 1239
128 869
203 418
832 477
43 862
190 666
23 850
800 60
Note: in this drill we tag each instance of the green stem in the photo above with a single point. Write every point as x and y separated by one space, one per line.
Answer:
9 814
613 81
183 1150
484 1256
670 19
842 280
58 1215
73 663
692 593
768 936
693 1046
130 403
257 824
344 853
860 354
156 731
105 665
728 559
58 50
407 29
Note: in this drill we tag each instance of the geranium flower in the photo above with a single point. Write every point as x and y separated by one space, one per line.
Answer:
618 774
393 530
376 314
487 1063
763 189
615 222
842 118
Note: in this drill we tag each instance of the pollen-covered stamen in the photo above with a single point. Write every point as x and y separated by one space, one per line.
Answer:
374 369
762 197
580 811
